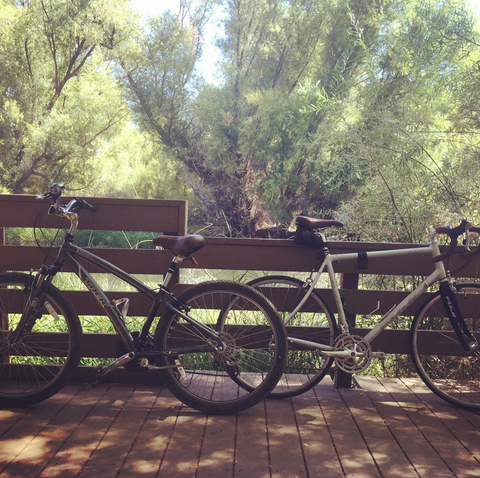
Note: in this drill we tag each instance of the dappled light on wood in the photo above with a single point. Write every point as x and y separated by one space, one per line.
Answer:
389 427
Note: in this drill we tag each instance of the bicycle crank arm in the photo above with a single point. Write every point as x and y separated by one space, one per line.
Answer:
101 371
183 365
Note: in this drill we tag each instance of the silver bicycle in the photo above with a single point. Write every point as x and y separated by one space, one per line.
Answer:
445 332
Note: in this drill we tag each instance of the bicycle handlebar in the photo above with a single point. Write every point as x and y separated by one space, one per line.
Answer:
79 204
70 210
465 227
75 205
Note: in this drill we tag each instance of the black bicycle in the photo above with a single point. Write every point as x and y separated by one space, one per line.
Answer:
219 347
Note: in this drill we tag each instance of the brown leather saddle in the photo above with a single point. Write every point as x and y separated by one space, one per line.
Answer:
180 245
312 223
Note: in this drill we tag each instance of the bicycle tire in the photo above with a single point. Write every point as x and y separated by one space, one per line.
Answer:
38 365
305 368
451 373
257 352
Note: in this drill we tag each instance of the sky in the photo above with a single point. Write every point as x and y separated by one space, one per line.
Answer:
208 62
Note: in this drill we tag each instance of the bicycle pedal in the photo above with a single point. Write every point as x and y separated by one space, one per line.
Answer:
97 374
180 369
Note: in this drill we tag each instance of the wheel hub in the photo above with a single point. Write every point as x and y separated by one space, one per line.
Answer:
227 351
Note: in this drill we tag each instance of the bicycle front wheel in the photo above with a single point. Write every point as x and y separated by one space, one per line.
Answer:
448 370
240 373
314 321
38 364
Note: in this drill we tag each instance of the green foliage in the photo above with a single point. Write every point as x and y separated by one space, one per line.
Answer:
58 94
368 110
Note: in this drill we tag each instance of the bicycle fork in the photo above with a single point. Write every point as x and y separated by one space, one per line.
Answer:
465 337
32 308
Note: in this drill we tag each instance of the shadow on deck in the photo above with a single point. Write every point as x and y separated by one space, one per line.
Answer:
387 428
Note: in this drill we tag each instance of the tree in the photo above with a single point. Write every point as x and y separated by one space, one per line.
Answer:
413 135
243 144
58 96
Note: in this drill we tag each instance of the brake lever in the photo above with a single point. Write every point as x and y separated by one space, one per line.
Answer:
43 196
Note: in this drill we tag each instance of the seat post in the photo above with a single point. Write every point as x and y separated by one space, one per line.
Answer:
171 270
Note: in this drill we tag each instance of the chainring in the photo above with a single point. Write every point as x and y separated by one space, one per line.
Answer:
360 350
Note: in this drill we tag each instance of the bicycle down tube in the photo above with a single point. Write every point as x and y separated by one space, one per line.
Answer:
67 254
438 274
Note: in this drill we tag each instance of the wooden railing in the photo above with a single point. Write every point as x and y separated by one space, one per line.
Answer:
170 217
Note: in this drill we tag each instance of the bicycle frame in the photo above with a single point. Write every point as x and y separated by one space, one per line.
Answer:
438 274
69 253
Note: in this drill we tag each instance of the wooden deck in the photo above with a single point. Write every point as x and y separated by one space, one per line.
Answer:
388 428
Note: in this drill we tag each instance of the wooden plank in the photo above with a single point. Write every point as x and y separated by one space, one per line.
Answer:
8 418
130 431
388 454
55 434
112 214
452 452
218 448
148 451
462 424
234 256
284 255
182 454
420 453
182 218
79 447
283 435
133 261
252 441
390 341
357 301
107 462
120 375
350 282
22 434
354 455
318 448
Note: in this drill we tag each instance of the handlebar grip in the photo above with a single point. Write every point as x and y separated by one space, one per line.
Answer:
82 204
89 206
454 232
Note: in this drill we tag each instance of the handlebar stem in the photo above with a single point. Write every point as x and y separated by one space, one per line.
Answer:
71 216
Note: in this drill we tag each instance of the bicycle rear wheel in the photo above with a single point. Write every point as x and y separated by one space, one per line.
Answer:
440 360
305 366
250 362
36 366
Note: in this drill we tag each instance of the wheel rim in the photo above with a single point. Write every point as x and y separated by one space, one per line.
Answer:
36 361
249 356
446 368
305 366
